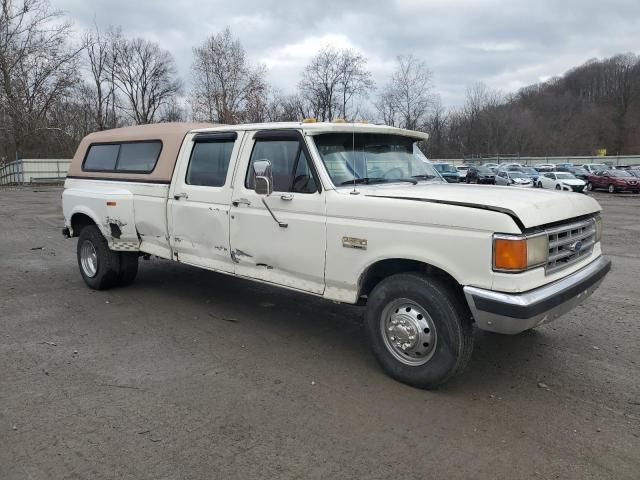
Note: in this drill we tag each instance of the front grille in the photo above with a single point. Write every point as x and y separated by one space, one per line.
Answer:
577 188
570 243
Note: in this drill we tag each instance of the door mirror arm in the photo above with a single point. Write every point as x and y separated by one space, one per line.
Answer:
263 185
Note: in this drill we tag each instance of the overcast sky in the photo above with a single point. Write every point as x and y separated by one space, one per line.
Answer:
506 44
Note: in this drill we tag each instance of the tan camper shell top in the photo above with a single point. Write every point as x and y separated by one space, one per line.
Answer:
169 135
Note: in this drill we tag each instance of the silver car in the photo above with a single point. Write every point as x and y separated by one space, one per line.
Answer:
516 179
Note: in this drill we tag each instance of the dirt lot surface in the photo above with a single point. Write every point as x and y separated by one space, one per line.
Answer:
189 374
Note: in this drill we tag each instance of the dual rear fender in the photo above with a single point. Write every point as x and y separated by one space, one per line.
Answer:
112 212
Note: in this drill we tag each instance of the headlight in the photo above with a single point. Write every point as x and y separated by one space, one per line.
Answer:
598 228
517 253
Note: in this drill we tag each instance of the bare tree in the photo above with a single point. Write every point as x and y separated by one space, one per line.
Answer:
224 84
332 79
146 76
436 127
355 80
406 100
101 54
37 66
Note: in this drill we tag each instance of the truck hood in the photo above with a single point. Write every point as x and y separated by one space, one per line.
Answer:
528 206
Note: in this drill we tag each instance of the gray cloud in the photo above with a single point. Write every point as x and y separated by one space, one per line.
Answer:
506 44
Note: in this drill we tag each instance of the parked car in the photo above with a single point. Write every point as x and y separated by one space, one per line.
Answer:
614 181
577 171
595 167
345 212
545 167
491 166
530 172
480 175
448 172
561 181
462 170
517 179
509 166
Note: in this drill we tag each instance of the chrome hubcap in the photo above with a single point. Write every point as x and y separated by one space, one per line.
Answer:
89 259
408 332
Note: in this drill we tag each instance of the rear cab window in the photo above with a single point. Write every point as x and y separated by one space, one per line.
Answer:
210 158
132 157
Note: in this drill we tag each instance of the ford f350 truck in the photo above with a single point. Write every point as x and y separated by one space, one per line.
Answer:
353 213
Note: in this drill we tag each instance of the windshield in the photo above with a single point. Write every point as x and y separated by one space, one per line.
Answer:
445 168
579 171
529 171
518 176
375 158
619 173
564 176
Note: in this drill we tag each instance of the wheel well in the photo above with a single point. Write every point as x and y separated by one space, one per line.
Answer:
385 268
79 221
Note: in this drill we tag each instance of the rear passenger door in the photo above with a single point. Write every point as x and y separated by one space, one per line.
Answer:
199 200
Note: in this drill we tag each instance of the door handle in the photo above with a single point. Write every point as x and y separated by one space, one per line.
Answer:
286 196
178 196
241 201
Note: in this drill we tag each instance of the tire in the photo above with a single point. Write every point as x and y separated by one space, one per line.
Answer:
128 268
589 187
611 188
99 266
539 184
558 187
436 315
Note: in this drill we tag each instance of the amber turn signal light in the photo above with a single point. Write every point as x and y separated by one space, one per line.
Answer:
510 254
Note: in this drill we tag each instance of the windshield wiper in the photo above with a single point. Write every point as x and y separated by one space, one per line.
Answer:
424 177
365 180
369 180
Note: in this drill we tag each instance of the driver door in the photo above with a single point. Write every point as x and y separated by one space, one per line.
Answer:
291 255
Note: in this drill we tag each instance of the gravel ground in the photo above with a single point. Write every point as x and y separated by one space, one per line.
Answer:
188 374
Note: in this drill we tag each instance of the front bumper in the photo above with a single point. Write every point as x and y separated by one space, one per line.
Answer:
512 313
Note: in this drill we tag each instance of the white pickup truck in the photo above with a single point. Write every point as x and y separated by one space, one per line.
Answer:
353 213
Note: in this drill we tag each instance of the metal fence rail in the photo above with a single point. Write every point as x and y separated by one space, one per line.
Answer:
26 170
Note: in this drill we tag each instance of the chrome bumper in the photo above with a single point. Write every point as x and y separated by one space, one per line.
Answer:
513 313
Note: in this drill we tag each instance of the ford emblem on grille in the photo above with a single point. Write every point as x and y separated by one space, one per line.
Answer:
576 246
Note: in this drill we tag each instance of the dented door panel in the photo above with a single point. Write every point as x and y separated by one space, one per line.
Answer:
292 256
199 216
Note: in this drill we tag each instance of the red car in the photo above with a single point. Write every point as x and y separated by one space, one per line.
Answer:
614 181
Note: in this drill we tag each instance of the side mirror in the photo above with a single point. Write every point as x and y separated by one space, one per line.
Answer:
262 177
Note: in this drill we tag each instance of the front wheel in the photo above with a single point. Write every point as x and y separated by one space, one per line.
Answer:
539 184
611 189
558 187
589 186
419 329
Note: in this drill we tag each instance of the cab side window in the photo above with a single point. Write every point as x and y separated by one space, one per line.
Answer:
289 164
209 162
